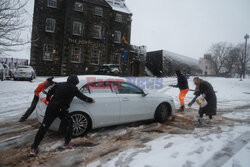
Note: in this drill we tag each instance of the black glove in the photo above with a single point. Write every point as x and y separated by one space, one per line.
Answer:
90 100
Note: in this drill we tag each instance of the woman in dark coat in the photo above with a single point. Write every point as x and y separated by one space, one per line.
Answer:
206 89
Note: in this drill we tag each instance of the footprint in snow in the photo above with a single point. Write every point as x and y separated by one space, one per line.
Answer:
188 164
175 155
198 151
168 145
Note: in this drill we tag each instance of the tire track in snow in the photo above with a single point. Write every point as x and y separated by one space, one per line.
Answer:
228 151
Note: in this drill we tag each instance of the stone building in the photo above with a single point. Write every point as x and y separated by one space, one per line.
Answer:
207 65
78 36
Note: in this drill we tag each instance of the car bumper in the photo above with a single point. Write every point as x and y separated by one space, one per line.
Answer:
23 76
40 113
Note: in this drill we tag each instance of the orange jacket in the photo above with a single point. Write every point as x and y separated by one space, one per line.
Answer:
40 88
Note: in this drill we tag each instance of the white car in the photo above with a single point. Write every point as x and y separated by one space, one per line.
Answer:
117 102
25 72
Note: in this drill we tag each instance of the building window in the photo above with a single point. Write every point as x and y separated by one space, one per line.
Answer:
52 3
118 37
48 52
117 58
76 54
77 28
78 6
95 56
118 18
98 11
50 25
97 32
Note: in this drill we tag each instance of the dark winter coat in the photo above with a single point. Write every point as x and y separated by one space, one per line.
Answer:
207 89
64 94
182 83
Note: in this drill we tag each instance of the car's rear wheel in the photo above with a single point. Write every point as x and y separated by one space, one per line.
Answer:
81 123
163 112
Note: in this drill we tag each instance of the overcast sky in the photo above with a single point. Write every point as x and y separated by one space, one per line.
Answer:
187 27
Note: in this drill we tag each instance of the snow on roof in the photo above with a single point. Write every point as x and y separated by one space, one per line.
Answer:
181 58
119 5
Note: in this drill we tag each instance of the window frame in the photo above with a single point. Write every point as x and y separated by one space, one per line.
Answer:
77 9
120 85
53 22
118 18
109 86
74 54
120 37
99 11
49 4
113 60
48 52
99 55
99 29
82 28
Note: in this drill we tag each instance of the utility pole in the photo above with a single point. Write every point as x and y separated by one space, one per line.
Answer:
245 59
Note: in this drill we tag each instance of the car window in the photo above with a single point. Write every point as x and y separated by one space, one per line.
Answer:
126 88
97 88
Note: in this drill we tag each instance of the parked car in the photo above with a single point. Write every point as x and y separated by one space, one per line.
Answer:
7 71
25 72
2 72
117 102
109 69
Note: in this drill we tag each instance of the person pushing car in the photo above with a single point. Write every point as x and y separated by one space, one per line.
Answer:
63 94
41 87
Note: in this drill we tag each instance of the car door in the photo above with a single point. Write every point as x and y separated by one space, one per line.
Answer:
106 110
134 105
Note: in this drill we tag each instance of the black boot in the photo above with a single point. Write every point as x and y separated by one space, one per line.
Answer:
182 108
22 119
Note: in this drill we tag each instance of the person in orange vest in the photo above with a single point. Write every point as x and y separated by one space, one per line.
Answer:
41 87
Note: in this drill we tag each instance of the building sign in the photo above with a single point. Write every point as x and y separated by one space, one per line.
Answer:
85 42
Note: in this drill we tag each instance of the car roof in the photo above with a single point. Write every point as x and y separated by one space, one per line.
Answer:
24 67
94 78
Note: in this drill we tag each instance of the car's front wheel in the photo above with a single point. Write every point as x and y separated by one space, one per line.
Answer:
80 123
163 112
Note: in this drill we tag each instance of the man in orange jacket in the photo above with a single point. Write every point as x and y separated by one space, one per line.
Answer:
41 87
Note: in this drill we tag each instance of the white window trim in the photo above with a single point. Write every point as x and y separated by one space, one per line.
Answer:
120 37
51 53
52 31
75 9
82 28
48 4
72 50
98 13
98 58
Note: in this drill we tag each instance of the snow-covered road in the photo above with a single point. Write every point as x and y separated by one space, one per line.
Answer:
175 143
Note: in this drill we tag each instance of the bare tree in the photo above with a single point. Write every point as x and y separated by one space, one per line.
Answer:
12 22
231 60
219 53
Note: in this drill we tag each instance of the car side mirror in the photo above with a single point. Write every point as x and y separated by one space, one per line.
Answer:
144 93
